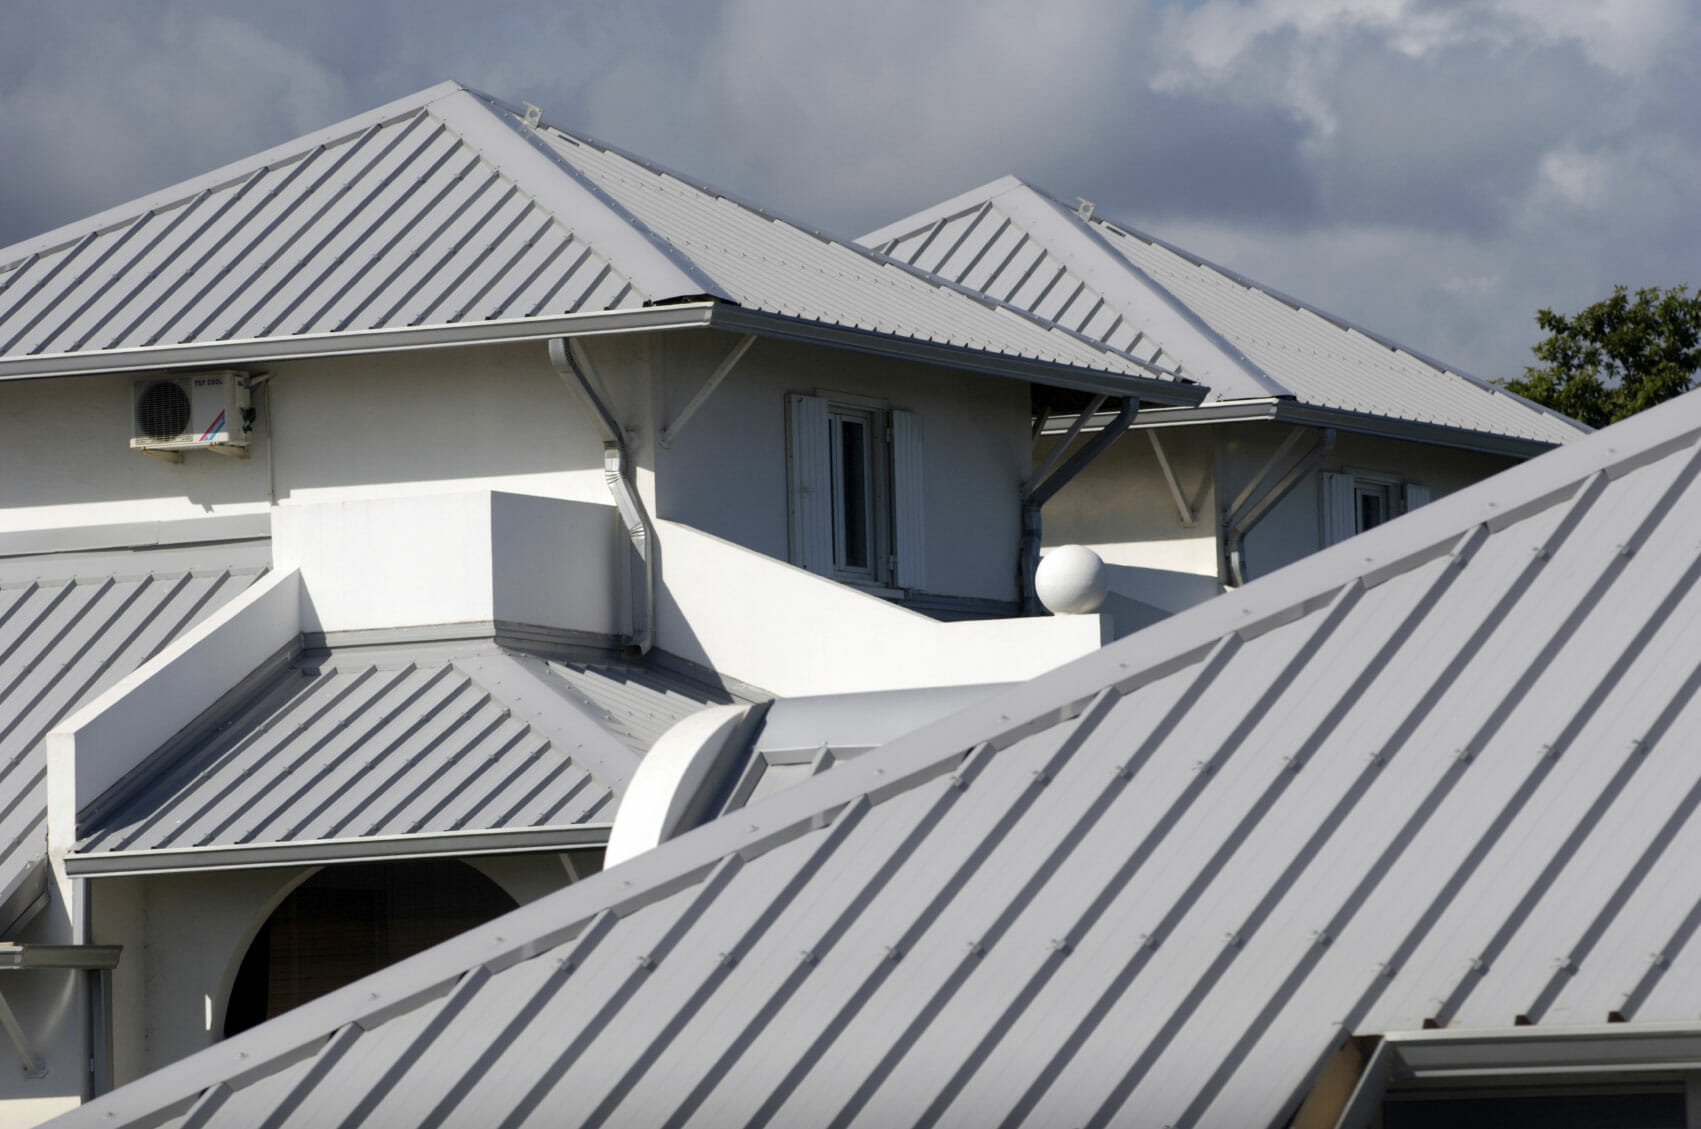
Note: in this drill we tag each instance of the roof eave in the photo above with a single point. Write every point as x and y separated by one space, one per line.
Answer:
1361 423
318 852
1151 390
683 315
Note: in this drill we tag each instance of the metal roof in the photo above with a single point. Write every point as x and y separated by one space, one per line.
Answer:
1176 310
70 627
453 209
1443 773
381 743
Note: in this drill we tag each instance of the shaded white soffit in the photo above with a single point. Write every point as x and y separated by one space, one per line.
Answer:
1159 302
444 218
1441 772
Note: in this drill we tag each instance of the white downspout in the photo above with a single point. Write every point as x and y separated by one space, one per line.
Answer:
574 366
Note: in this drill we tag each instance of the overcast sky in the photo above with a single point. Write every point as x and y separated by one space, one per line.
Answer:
1433 169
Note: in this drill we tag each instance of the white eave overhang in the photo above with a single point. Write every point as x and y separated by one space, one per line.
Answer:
708 314
318 852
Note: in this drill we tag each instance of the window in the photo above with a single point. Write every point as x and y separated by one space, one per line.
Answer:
1354 501
855 495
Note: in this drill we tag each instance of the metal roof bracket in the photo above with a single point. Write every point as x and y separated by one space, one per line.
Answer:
671 432
34 1067
1250 507
1038 491
1183 509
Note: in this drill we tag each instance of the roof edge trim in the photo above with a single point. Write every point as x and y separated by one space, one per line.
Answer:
254 856
1164 390
1387 427
639 319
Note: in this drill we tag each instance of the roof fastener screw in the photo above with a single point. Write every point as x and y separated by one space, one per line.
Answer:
806 956
1233 940
1061 946
1463 756
643 961
1479 966
894 954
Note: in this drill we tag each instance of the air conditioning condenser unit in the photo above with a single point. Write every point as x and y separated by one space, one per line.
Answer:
209 410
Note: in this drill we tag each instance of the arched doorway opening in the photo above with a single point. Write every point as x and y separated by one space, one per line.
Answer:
350 921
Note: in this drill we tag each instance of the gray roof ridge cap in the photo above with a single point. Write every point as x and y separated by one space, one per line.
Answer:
1068 224
176 194
691 280
1335 319
944 209
807 229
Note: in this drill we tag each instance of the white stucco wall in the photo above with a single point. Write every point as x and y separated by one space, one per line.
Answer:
726 472
1294 527
349 427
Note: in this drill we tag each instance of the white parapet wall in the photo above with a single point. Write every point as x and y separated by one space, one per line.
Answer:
792 632
471 557
94 748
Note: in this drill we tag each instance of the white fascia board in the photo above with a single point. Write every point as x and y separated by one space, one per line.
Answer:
95 747
305 346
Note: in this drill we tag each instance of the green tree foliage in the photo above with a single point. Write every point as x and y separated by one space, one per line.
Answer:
1616 357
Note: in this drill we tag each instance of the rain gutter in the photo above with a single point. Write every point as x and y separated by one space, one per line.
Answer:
574 367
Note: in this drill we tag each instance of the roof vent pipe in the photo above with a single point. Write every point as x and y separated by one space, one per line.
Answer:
574 367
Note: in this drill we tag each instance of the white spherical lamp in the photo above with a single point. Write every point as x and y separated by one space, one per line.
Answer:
1071 580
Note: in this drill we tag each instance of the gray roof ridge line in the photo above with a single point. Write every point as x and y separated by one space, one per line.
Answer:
807 229
1076 229
611 764
175 195
944 209
1335 320
696 281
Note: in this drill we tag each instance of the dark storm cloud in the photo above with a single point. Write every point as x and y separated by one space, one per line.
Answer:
1434 170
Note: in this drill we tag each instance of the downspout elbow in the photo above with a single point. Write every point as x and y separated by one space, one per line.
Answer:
573 366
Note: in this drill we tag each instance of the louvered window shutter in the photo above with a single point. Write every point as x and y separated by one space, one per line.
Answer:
909 540
1417 494
810 482
1339 518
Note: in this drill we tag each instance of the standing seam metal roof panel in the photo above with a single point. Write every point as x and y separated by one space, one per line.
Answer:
1223 330
400 741
67 634
448 207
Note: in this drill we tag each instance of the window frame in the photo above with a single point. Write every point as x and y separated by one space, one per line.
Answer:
820 529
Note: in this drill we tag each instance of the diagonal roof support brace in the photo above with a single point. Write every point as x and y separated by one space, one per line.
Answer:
1248 511
1037 492
34 1067
671 432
